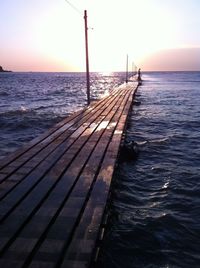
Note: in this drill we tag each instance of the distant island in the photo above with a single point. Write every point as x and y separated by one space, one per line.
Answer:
2 70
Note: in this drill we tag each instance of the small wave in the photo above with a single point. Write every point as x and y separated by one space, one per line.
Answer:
61 90
4 93
21 110
42 107
140 143
162 140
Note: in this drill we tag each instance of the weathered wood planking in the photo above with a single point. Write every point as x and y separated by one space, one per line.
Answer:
53 191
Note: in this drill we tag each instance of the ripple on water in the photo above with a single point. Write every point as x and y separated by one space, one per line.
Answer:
154 218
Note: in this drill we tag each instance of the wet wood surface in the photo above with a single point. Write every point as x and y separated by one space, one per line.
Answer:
54 190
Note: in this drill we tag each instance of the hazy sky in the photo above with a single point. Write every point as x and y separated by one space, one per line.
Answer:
48 35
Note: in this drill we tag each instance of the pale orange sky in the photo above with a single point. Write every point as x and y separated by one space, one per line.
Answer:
180 59
48 35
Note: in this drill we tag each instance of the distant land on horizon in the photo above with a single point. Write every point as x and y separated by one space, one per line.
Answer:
2 70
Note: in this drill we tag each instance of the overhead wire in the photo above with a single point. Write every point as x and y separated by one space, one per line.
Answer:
78 11
74 7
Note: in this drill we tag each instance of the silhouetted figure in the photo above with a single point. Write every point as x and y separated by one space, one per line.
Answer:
139 75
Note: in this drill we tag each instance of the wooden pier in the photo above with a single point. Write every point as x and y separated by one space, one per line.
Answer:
54 190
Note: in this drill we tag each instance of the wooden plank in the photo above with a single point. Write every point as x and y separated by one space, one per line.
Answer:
53 147
53 131
60 197
63 147
80 192
40 192
41 142
85 237
50 203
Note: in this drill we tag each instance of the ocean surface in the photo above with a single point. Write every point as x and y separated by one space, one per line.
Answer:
30 103
155 209
154 218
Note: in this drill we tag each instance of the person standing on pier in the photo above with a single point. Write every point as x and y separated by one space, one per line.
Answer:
139 75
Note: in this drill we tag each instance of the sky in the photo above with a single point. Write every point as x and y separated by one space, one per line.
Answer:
48 35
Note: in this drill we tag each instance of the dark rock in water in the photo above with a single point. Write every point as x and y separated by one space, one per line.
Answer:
129 151
2 70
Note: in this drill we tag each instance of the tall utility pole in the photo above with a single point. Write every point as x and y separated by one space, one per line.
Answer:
87 58
127 68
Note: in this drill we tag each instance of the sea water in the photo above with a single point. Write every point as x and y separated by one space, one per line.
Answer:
154 218
30 103
155 207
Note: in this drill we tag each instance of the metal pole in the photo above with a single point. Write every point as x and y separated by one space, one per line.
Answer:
127 68
132 68
87 58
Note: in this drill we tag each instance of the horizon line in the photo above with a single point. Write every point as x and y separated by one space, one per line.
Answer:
100 71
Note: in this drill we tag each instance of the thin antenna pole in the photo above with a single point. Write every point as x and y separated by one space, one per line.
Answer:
133 68
127 68
87 58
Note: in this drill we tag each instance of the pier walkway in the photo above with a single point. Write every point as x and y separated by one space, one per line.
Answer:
54 190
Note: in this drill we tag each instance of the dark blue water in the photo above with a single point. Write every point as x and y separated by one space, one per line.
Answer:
32 102
155 207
